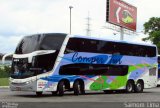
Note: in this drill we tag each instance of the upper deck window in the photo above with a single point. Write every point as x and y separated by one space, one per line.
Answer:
109 47
52 41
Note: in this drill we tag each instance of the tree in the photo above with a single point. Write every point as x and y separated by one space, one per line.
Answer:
5 71
152 28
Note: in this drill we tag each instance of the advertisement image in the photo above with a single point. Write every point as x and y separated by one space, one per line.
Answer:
122 14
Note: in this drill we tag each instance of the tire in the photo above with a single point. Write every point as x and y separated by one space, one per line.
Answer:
61 88
108 91
129 87
139 87
78 88
54 93
39 94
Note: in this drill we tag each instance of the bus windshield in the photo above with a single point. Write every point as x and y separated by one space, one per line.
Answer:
21 68
33 43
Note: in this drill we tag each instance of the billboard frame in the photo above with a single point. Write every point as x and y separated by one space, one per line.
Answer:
109 15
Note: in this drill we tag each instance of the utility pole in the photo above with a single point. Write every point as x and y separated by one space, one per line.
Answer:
121 33
70 30
88 30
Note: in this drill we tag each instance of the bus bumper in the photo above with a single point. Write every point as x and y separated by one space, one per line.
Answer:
23 86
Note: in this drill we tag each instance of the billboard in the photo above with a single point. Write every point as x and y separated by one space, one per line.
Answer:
122 14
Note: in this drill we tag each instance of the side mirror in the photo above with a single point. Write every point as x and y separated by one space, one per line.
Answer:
4 57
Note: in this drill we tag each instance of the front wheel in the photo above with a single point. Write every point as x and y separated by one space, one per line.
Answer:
54 93
39 93
61 88
139 87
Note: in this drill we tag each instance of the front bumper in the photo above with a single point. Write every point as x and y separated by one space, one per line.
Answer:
23 86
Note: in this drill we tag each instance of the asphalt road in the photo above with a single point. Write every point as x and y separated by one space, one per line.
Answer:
89 100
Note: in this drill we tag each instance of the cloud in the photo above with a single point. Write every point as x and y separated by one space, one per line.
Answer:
24 17
21 16
8 44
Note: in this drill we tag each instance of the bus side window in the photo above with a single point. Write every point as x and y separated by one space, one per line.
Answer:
72 46
108 48
151 51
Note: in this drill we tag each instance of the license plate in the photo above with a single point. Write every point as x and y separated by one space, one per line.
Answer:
18 88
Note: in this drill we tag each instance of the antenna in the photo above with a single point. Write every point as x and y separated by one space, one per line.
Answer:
88 30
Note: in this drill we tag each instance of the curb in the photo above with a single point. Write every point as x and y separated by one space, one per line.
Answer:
4 87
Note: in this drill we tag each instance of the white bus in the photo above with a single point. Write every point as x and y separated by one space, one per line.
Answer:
56 63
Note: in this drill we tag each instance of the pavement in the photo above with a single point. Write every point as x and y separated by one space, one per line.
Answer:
92 99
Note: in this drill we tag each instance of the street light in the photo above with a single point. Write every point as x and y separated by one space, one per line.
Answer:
70 7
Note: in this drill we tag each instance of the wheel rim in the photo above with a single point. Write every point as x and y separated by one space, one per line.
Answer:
129 87
79 88
139 86
63 87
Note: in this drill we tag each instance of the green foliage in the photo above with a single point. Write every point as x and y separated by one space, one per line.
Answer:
4 81
5 71
152 28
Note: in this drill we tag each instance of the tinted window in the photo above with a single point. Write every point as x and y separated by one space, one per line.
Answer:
99 46
93 69
45 62
40 64
28 44
50 41
129 49
81 45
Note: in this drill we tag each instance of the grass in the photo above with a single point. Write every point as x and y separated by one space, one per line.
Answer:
4 81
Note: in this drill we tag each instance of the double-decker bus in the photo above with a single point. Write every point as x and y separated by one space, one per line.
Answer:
56 62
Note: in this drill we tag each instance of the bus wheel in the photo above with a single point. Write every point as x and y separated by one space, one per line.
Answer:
108 91
39 93
61 88
139 87
130 87
78 88
54 93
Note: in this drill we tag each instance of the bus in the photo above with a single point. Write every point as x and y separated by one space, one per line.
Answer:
57 62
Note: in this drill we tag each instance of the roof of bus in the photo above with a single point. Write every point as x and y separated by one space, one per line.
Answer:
97 38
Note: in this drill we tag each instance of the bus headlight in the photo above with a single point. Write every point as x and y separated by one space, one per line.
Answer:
28 82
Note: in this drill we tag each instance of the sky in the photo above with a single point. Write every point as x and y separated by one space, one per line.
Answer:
25 17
